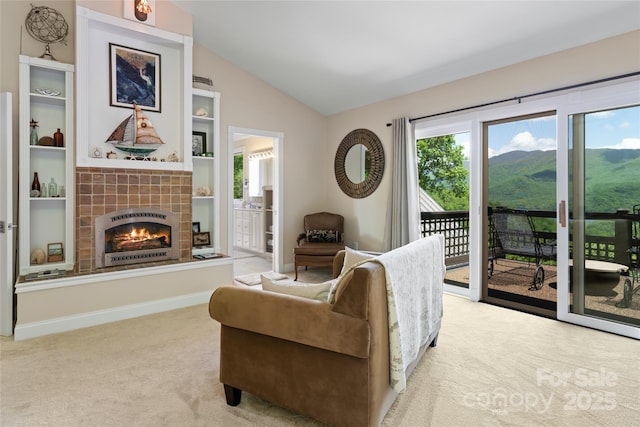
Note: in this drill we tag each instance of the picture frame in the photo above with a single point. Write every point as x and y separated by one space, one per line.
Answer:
55 252
195 227
198 143
134 77
201 239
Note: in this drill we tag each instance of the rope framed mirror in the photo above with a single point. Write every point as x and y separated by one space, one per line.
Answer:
359 163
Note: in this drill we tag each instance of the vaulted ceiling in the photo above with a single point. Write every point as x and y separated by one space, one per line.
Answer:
337 55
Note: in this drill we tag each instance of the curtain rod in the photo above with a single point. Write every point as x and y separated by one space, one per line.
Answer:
521 97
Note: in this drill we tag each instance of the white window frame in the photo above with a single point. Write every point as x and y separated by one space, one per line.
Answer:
606 96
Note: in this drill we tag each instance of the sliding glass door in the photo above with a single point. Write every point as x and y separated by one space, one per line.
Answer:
520 195
568 168
604 216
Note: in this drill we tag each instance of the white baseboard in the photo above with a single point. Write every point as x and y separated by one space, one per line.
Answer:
84 320
287 268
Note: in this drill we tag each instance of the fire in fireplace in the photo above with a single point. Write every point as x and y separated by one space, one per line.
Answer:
137 237
132 236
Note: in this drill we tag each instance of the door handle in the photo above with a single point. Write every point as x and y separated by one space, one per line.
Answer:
4 228
562 211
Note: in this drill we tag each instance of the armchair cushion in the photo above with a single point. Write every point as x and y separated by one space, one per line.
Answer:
323 236
315 248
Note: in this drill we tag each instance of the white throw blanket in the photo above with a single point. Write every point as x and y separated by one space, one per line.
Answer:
415 275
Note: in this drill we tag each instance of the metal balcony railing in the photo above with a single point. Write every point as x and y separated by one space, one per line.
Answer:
454 225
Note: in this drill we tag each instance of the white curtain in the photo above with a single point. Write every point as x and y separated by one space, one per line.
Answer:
403 209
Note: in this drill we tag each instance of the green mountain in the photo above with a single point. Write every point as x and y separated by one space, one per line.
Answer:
521 179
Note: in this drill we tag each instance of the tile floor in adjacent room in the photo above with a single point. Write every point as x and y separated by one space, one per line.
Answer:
245 262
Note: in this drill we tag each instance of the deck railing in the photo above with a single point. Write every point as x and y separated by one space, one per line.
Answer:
454 225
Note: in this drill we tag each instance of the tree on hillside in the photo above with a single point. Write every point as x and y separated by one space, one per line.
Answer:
238 163
441 171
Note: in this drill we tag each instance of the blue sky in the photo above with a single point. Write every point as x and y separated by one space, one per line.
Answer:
609 129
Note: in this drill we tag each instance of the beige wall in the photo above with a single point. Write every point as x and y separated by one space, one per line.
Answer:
364 218
247 102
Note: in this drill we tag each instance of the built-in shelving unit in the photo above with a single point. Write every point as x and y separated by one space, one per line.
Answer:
46 221
267 205
206 166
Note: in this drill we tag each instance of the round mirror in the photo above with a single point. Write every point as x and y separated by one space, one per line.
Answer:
359 163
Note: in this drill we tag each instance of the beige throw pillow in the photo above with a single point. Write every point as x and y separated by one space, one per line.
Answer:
353 257
317 291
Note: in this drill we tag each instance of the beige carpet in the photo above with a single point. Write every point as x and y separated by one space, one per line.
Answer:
492 367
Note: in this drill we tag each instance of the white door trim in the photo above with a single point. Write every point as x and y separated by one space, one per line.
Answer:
278 184
7 237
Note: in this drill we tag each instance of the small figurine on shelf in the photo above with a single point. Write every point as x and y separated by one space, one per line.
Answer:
58 138
46 141
173 157
203 191
33 137
37 256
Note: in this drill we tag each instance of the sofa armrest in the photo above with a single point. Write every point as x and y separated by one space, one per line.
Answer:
291 318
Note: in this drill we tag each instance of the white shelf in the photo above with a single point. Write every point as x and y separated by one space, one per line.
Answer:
206 169
202 251
45 220
203 118
267 192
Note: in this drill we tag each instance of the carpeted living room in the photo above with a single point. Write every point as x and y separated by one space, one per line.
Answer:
232 320
492 366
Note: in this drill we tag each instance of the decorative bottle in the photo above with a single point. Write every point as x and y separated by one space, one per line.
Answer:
58 138
43 191
33 136
36 183
53 188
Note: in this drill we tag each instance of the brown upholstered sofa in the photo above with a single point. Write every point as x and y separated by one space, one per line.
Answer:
329 361
310 253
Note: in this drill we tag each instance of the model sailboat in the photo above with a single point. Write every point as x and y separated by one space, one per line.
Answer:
135 134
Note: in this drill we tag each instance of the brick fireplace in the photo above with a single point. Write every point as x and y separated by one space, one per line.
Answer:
135 236
100 191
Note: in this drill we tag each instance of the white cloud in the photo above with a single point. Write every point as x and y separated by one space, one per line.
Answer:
525 141
462 139
627 143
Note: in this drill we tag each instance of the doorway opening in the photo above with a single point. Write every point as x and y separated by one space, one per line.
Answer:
255 201
520 194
